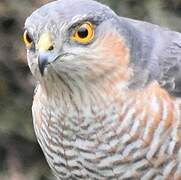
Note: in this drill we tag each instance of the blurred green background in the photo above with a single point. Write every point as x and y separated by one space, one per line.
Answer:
20 155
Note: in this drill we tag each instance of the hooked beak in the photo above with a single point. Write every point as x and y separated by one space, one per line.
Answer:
45 58
46 54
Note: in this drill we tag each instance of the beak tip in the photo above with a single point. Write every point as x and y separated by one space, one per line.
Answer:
42 62
41 71
44 59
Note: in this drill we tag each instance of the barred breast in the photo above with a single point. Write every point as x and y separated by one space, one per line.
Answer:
136 136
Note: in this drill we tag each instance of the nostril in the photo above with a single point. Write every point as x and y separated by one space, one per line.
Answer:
51 48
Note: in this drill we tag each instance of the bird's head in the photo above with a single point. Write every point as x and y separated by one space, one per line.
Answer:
76 39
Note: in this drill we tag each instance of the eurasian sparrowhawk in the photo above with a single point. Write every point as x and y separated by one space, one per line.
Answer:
108 97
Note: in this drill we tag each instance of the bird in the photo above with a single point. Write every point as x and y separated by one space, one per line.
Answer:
107 102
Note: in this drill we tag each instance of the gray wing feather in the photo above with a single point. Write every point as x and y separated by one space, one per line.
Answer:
156 55
170 64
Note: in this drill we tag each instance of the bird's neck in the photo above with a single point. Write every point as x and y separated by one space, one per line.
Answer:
81 98
83 92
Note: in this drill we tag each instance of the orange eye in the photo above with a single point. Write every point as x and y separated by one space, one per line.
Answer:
84 33
27 39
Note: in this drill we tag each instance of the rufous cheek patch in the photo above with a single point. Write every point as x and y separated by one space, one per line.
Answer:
113 48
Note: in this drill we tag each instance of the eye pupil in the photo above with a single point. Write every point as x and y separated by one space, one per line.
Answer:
83 32
28 38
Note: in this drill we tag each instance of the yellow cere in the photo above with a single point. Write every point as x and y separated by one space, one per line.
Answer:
83 33
45 42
